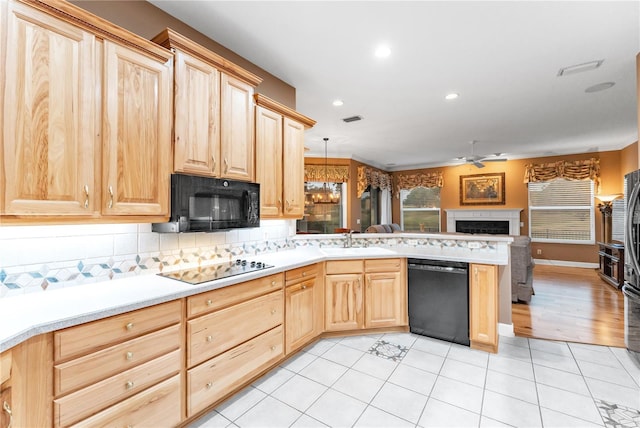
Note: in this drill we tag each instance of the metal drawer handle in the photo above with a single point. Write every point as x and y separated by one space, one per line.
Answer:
273 311
209 339
8 411
86 196
226 165
129 385
209 302
273 348
304 287
273 283
110 196
129 326
209 385
304 274
129 355
213 158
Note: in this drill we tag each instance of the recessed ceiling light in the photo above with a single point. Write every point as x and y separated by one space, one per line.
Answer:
451 96
338 103
383 51
599 87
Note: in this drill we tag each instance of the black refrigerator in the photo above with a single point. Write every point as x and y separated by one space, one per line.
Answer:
631 288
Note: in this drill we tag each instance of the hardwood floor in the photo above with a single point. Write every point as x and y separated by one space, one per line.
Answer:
571 304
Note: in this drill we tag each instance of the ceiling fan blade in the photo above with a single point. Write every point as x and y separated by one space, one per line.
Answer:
478 164
494 160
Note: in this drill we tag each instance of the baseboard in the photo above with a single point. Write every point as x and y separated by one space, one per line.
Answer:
505 329
566 263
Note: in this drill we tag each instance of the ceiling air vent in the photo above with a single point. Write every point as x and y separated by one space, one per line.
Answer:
352 119
579 68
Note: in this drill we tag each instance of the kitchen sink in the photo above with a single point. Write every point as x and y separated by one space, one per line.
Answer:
357 251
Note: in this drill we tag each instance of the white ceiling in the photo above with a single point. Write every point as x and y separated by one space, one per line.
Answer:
501 57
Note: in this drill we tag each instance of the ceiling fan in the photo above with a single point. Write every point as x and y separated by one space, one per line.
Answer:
477 160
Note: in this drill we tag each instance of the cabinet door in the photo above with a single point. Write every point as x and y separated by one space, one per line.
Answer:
237 128
136 133
300 314
197 116
5 390
383 300
269 161
293 152
50 101
483 307
343 304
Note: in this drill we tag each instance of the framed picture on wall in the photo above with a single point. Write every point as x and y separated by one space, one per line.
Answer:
482 189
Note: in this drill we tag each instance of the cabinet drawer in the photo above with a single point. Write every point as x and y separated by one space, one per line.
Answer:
344 266
158 406
299 274
227 296
95 335
219 331
100 365
382 265
82 403
219 376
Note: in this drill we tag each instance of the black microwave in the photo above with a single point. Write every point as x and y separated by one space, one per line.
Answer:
204 204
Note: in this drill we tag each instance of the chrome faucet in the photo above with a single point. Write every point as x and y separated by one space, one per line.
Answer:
348 239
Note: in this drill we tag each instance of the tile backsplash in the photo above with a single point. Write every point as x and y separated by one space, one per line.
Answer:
38 258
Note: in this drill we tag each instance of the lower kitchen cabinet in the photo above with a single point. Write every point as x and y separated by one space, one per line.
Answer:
483 307
350 305
6 403
101 365
303 304
231 338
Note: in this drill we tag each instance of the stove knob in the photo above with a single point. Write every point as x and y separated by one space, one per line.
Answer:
244 263
238 261
259 264
253 264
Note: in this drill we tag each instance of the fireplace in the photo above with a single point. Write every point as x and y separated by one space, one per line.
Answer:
487 221
500 227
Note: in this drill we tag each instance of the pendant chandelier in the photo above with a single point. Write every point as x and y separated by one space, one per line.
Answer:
326 196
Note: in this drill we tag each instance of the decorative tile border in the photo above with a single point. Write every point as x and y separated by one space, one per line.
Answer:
47 276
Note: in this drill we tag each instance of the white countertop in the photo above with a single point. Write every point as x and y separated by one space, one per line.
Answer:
27 315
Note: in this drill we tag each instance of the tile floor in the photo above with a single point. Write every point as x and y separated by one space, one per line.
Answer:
406 380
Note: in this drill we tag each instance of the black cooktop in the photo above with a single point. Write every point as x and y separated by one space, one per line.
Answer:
200 274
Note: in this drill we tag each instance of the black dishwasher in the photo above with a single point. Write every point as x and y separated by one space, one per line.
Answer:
439 299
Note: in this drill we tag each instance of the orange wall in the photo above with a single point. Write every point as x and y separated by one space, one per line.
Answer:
628 158
146 20
612 170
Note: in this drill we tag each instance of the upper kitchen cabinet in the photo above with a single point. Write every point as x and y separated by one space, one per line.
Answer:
86 114
280 152
213 111
49 138
136 132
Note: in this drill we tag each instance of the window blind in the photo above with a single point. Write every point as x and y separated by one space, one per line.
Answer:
561 211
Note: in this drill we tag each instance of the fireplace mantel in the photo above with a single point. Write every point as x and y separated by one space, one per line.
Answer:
511 215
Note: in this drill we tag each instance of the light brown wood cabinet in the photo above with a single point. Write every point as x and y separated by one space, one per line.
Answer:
234 333
213 111
49 114
303 306
279 154
483 307
103 366
6 402
75 83
365 294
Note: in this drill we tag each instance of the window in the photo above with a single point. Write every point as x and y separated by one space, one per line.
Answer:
322 218
561 211
369 208
420 209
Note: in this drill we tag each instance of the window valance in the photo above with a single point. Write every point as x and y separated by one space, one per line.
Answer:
332 173
588 169
375 178
418 179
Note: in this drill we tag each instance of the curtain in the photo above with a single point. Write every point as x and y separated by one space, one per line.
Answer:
332 173
406 181
385 206
375 178
588 169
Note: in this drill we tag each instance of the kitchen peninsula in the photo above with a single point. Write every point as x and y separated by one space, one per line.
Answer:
71 327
